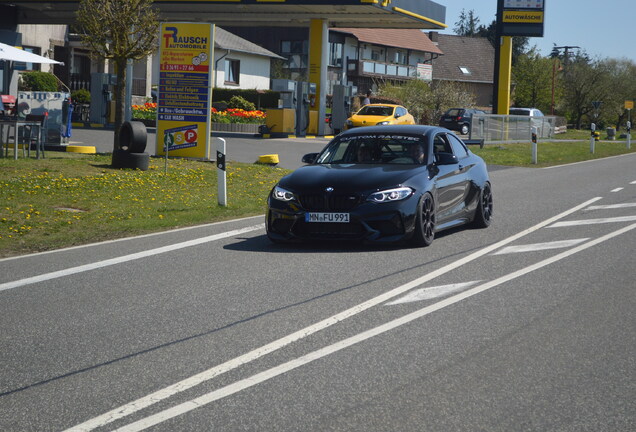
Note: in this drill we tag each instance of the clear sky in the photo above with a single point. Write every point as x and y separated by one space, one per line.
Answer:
603 29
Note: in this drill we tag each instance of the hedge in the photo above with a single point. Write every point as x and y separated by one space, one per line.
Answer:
262 99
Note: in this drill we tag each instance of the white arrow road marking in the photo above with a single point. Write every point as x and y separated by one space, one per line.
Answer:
593 221
540 246
617 189
266 375
432 292
125 258
611 206
173 389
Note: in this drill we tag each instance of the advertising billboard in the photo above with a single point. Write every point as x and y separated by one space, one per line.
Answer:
186 63
523 18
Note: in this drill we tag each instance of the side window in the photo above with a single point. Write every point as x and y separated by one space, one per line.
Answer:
441 145
400 111
459 148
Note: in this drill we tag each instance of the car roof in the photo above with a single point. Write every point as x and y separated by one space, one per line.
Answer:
393 129
382 104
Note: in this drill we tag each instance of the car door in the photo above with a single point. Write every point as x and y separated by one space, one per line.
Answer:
452 181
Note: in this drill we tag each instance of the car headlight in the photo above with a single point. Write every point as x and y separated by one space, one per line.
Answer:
390 195
383 123
282 194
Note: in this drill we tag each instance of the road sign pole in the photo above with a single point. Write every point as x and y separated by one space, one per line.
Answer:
221 174
535 158
593 138
629 129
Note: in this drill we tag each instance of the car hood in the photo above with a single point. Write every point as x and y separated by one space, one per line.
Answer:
349 178
369 120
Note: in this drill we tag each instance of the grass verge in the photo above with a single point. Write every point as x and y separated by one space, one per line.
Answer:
550 153
69 199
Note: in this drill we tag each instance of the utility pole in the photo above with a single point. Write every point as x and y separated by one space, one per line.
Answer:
566 55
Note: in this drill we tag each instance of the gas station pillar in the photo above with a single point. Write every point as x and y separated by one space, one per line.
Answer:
318 60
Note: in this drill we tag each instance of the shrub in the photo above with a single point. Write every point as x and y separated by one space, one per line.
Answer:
38 81
81 96
237 102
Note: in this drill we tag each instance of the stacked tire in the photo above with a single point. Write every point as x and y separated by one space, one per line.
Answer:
132 147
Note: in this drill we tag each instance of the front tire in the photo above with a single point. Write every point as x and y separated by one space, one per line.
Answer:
425 221
483 212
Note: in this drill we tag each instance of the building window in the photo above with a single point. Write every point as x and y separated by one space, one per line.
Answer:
375 55
400 57
232 71
294 47
28 66
335 54
464 70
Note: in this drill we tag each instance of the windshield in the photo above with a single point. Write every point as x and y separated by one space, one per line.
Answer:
375 149
383 111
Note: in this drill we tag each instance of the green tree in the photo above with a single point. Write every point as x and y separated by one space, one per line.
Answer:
533 78
119 30
427 102
621 81
585 81
467 24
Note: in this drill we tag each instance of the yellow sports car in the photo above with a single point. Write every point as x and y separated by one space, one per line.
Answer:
380 114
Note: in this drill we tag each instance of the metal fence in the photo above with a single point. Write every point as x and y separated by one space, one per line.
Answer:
494 128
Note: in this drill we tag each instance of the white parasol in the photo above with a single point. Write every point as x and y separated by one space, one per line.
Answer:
7 52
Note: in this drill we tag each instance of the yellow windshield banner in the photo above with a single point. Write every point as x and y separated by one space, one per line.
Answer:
186 63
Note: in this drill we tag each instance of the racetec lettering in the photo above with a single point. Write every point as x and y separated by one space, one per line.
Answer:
523 17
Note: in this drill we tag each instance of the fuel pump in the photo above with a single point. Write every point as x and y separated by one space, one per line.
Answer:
303 100
341 106
102 87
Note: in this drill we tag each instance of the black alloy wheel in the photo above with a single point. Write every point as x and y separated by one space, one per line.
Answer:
483 213
425 221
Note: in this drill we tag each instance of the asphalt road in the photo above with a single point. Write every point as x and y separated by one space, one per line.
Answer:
525 326
239 147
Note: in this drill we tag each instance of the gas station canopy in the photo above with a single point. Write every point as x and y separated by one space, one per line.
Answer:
421 14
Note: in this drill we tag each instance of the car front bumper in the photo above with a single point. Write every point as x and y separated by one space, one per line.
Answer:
368 222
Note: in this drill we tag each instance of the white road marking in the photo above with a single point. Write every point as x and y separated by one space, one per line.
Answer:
611 206
590 161
155 234
432 292
125 258
540 246
246 383
634 182
617 189
159 395
593 221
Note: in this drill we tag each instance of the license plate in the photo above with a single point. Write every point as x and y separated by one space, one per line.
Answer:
327 217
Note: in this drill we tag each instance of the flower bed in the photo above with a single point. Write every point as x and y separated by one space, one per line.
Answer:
148 111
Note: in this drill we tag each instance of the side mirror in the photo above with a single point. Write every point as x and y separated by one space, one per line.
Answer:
446 159
310 158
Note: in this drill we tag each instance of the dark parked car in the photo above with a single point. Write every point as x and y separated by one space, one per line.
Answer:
459 119
382 184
